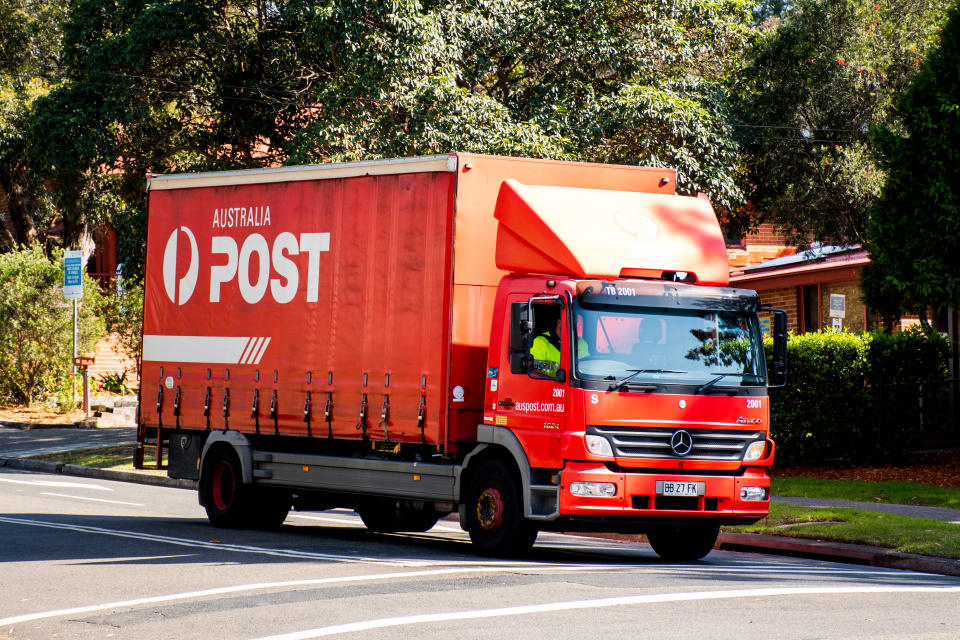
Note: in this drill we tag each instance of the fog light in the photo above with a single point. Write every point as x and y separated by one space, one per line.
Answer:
594 489
599 446
753 494
756 450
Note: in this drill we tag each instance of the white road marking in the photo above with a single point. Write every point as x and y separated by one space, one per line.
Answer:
655 598
204 593
283 553
355 521
64 495
57 483
201 544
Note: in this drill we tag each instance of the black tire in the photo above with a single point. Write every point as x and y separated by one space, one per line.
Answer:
228 501
683 543
271 509
389 515
495 518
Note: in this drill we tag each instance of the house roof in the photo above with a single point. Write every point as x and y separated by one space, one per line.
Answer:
818 264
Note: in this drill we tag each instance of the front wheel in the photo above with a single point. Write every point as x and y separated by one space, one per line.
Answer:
495 518
683 543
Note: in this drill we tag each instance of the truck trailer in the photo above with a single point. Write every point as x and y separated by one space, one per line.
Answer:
374 335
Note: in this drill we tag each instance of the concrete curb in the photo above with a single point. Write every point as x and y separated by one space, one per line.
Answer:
47 466
89 423
757 543
837 551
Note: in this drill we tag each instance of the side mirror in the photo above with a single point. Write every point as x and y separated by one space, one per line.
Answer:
521 337
778 374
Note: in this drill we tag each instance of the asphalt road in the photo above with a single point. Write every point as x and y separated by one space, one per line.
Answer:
85 558
20 443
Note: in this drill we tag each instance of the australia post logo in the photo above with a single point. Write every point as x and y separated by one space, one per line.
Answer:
256 266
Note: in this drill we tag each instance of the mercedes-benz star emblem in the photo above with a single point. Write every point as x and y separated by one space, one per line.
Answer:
681 442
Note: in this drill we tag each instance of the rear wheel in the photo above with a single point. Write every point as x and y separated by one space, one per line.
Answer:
683 543
227 500
495 519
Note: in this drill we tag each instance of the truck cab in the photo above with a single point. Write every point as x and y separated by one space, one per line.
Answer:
649 411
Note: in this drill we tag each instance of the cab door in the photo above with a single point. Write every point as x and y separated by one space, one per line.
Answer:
533 403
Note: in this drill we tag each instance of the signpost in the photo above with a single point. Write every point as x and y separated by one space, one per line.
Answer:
73 290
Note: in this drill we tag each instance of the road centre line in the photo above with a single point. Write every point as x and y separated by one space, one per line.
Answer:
217 591
655 598
64 495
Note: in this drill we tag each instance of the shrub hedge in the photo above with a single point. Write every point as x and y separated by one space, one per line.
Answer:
854 397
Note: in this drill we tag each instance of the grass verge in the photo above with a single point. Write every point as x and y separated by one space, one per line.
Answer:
857 526
857 490
120 458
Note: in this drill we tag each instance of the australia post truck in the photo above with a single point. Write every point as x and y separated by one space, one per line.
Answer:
359 335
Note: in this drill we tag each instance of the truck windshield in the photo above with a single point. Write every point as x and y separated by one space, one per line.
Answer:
642 346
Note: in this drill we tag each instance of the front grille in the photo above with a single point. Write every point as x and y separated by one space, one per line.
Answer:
654 442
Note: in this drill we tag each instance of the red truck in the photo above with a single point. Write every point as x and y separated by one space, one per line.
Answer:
363 335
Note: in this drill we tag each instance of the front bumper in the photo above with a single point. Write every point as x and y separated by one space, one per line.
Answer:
636 496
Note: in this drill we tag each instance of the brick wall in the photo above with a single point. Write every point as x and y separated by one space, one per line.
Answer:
785 299
110 358
759 247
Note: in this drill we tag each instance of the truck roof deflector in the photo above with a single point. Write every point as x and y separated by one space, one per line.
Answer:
596 233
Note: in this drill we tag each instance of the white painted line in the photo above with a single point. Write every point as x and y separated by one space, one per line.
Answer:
218 546
655 598
57 483
64 495
217 591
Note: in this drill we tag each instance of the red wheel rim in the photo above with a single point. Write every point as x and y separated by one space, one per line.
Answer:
490 509
222 488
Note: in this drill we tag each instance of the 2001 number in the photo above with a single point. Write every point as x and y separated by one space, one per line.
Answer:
754 403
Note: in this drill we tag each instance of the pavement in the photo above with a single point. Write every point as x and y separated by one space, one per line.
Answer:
17 443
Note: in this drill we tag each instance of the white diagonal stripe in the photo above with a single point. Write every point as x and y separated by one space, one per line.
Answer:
262 351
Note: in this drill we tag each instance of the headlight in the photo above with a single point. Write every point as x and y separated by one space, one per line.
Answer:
599 446
755 451
594 489
753 494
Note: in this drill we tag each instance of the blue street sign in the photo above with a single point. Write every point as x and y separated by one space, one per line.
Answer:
73 275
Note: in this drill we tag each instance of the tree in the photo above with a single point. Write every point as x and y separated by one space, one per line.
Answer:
36 323
914 231
626 82
815 87
171 86
29 66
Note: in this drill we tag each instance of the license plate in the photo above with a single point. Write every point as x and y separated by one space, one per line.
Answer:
684 489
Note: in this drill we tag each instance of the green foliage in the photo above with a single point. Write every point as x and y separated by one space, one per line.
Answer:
115 383
178 86
123 315
816 414
854 396
914 232
36 330
29 63
816 86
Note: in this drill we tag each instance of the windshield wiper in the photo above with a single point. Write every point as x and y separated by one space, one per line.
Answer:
721 376
635 372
